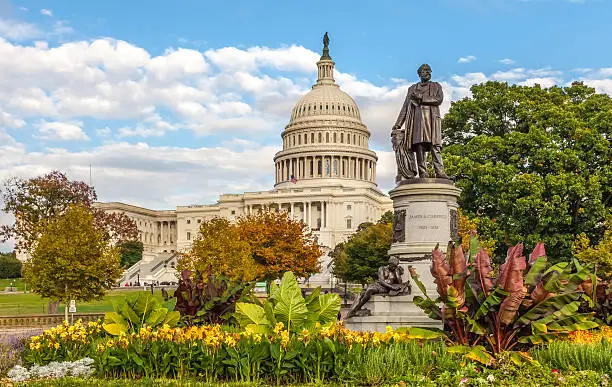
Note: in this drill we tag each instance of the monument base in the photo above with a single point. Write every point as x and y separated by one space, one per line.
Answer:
396 312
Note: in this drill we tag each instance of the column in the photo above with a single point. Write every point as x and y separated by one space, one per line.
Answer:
291 213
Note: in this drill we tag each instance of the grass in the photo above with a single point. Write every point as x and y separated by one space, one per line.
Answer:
17 282
22 304
570 356
70 382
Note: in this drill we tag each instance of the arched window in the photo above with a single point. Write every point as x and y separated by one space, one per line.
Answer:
326 137
348 138
319 167
305 138
312 138
299 140
341 138
320 137
335 140
354 138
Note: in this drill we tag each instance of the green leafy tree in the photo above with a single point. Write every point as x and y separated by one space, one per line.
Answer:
130 252
72 258
532 162
339 262
387 217
10 267
366 251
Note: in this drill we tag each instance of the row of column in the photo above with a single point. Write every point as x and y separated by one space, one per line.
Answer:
321 208
312 167
165 233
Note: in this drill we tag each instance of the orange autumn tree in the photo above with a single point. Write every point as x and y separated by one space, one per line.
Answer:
280 244
219 246
257 247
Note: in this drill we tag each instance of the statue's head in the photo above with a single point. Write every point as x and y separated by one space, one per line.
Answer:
393 262
424 72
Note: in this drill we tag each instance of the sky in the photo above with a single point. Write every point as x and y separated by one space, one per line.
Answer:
173 103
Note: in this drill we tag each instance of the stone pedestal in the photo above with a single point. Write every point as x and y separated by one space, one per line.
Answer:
395 312
425 214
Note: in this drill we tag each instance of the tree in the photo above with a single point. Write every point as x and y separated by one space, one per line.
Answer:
339 262
280 244
387 217
34 200
599 255
364 253
532 161
10 266
130 252
72 259
257 247
219 246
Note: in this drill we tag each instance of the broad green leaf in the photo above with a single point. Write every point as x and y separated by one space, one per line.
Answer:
312 296
115 329
536 271
156 317
128 313
247 314
144 305
547 307
493 299
274 291
171 319
269 310
114 318
474 248
479 354
170 304
290 306
325 309
416 333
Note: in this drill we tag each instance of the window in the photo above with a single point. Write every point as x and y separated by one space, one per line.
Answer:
312 137
199 220
299 140
320 137
233 212
305 138
188 221
341 138
188 236
326 137
349 207
348 224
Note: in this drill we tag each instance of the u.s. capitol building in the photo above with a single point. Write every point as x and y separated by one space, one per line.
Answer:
325 176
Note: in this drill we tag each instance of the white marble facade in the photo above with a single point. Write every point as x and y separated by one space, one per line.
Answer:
325 176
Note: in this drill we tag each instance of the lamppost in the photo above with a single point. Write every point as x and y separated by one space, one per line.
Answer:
138 278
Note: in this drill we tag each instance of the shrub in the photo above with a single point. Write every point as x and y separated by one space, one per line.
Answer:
133 313
526 302
287 306
208 301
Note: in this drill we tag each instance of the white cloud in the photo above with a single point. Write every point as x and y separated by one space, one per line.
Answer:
61 131
8 121
46 12
24 9
16 30
507 61
466 59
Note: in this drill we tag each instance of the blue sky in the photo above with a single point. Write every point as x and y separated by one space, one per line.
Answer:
173 103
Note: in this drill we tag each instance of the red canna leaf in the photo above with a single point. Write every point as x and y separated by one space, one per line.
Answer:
538 251
511 280
482 266
440 271
459 273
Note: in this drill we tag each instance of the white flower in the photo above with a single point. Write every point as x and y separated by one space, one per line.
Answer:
18 374
490 378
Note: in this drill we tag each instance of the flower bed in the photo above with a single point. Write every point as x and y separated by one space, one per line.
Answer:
216 354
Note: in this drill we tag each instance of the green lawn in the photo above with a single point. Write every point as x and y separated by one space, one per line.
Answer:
20 303
18 282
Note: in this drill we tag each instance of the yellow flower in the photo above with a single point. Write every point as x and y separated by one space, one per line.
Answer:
279 327
56 345
229 340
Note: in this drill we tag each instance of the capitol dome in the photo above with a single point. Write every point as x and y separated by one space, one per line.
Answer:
325 138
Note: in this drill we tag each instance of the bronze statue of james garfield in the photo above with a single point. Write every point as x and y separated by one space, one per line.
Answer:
423 130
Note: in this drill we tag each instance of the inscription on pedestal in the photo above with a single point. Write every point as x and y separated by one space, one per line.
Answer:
427 222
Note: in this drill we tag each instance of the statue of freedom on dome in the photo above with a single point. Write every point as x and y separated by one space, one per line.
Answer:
423 130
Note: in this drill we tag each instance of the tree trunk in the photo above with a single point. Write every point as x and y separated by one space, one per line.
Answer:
52 307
